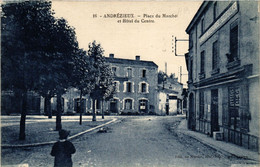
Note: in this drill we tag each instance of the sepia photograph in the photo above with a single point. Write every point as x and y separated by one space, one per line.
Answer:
119 83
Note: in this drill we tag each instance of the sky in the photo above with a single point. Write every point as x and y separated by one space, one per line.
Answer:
148 31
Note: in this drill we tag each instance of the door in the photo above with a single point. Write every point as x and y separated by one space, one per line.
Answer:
113 106
214 111
143 106
191 114
167 109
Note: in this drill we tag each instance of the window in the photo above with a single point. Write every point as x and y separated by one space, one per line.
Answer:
128 87
233 43
116 84
201 105
143 87
128 104
215 55
144 73
202 25
215 11
114 70
129 72
202 62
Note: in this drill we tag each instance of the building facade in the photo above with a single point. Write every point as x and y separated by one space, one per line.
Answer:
11 103
136 86
170 97
223 66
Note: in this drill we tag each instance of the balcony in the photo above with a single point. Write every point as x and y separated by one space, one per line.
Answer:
233 64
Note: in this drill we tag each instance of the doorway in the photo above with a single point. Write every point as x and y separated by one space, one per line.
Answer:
113 106
143 106
214 111
191 117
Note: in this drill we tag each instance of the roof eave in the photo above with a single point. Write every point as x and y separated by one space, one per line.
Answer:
197 16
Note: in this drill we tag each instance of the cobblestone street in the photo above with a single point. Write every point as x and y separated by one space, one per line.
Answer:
135 141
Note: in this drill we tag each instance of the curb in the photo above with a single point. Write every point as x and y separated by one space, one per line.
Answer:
215 147
52 142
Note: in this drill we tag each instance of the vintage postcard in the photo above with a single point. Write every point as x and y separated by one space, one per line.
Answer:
129 83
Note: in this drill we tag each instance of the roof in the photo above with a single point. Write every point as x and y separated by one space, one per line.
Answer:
197 16
131 62
165 90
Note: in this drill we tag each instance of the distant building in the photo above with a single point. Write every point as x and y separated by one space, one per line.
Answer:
223 66
170 97
136 86
12 104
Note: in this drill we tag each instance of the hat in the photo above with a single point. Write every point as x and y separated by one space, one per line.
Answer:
64 134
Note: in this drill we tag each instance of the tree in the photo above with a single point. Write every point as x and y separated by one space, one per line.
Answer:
106 85
83 76
22 27
103 75
37 53
65 49
161 77
172 76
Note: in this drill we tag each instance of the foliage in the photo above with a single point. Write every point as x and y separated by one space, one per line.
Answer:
161 77
103 87
83 73
37 50
104 81
23 27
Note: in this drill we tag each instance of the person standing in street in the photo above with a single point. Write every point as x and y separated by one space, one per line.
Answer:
62 150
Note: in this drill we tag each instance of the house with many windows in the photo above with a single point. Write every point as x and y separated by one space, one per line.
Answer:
136 86
223 66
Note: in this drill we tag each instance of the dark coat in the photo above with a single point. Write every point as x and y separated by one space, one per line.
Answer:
62 152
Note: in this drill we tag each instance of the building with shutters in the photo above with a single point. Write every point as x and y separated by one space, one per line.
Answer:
136 86
223 66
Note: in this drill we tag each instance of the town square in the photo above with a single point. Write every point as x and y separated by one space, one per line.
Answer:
120 83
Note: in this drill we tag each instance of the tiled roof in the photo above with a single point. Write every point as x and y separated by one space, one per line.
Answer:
131 62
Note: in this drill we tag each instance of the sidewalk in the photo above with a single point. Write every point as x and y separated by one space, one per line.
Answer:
224 147
40 130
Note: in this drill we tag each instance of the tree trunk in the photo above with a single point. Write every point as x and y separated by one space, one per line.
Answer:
58 116
102 106
94 110
47 106
23 116
80 108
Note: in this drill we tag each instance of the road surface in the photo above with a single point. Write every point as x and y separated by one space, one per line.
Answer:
134 142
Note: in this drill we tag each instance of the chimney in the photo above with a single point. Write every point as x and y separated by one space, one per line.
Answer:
137 58
111 55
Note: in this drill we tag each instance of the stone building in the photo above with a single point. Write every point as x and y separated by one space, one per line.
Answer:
12 103
136 86
223 66
170 97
